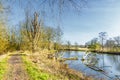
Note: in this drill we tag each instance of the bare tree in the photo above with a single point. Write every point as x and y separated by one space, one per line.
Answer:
50 36
117 42
33 30
58 38
102 36
76 45
110 43
68 45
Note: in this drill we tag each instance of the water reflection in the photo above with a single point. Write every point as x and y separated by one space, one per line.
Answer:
112 63
114 60
90 59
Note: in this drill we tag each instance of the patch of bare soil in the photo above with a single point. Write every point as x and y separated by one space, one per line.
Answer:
16 70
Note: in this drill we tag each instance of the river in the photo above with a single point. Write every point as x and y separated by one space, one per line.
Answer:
110 64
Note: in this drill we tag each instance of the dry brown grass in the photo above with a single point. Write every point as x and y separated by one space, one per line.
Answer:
2 56
62 71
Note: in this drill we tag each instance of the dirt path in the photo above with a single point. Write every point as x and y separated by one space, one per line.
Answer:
16 70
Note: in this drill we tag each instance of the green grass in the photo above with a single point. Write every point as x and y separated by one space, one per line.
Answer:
35 73
3 67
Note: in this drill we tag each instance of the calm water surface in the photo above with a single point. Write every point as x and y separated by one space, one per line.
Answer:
109 63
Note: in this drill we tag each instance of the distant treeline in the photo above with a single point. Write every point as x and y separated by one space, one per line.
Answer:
104 43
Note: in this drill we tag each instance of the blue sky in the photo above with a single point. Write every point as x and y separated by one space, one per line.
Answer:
98 16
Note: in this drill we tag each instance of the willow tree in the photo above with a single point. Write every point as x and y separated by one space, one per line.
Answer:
102 36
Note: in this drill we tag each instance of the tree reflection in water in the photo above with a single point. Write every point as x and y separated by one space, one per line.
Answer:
114 61
90 59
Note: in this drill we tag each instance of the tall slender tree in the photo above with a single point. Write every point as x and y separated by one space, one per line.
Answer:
102 36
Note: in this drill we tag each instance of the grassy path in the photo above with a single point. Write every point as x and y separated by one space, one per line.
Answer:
16 70
21 67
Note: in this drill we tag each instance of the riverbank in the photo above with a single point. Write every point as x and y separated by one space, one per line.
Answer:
95 51
39 64
76 49
106 52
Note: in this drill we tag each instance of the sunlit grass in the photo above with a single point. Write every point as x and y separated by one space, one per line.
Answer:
35 73
39 67
3 67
